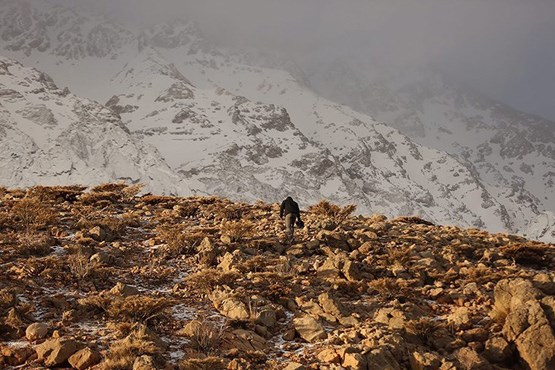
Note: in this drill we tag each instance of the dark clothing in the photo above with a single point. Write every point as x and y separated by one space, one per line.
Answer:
290 219
289 206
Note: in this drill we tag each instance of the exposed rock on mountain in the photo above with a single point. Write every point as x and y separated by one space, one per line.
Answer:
50 136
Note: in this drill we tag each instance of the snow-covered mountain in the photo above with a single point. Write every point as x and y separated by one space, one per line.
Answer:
513 153
246 126
50 136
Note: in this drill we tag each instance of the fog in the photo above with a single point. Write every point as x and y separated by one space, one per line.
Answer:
504 48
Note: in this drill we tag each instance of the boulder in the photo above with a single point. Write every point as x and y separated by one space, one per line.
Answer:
124 290
424 361
207 252
267 317
55 352
229 261
497 350
84 359
101 234
394 318
309 329
469 359
36 331
330 305
355 361
383 359
329 356
244 341
527 324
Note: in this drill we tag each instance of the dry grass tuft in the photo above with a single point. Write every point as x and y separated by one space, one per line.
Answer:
79 265
207 279
424 328
527 254
238 230
208 363
34 244
333 212
122 353
32 214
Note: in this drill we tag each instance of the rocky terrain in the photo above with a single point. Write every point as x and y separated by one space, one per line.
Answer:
105 278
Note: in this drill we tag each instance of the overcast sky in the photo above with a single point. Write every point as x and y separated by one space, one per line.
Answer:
505 48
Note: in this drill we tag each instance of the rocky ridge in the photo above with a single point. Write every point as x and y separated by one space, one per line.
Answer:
103 278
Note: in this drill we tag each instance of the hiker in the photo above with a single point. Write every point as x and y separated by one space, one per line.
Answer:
290 209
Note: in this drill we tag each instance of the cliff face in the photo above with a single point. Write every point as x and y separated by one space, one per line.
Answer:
103 276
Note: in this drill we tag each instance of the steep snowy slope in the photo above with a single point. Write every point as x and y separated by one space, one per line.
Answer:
222 143
48 135
240 125
512 152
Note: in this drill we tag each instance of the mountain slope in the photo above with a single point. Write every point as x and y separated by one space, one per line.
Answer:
241 125
513 153
51 136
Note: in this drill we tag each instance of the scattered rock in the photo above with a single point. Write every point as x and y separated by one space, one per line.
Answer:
309 329
84 359
124 290
36 331
55 352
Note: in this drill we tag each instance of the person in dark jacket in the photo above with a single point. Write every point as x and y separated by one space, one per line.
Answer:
290 209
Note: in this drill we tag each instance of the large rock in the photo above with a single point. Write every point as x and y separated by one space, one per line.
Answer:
424 361
55 352
497 350
207 252
36 331
229 306
309 329
469 359
527 324
383 359
124 290
244 341
330 305
84 359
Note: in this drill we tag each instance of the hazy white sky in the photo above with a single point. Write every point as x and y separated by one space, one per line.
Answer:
505 48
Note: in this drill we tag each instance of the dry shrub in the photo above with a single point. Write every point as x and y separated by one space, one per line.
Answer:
56 193
207 335
207 279
34 244
412 220
131 191
178 241
388 288
100 199
231 212
399 255
149 199
122 353
527 254
79 265
189 210
333 212
208 363
109 187
424 328
136 308
238 230
116 226
31 214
